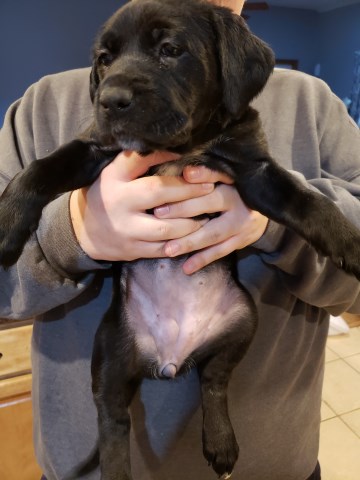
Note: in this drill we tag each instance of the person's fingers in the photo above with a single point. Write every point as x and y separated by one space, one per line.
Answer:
228 226
204 257
148 228
129 165
142 249
219 200
211 234
158 190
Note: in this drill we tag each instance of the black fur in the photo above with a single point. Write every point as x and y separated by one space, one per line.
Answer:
175 75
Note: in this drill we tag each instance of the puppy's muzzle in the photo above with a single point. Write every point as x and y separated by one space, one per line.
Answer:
118 94
115 100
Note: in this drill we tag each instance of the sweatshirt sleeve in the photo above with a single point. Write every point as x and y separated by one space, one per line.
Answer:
306 274
52 269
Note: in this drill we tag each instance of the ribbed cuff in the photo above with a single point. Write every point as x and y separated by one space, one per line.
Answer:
271 240
58 242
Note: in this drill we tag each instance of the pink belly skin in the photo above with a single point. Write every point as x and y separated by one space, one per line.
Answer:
172 314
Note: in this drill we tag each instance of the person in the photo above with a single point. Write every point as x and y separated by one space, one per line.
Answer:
63 280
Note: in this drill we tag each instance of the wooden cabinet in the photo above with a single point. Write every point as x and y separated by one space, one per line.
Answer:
17 460
352 320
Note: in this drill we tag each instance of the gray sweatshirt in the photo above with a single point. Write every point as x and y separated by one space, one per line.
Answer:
275 392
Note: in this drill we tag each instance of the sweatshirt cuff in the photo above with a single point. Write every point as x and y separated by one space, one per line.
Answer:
58 241
271 240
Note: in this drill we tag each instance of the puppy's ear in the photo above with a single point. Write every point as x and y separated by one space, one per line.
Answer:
246 61
94 82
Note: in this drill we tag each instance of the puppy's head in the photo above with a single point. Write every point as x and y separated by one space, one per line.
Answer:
164 69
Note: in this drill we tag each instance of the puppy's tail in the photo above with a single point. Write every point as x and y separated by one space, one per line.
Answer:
87 466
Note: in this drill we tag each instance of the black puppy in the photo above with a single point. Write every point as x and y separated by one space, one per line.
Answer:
177 76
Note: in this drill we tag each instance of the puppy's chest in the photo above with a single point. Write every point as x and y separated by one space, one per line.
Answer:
172 314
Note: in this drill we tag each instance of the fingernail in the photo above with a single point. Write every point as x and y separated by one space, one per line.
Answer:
189 267
208 187
171 249
161 211
193 172
203 221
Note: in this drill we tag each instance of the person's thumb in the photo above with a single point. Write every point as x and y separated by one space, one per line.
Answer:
129 165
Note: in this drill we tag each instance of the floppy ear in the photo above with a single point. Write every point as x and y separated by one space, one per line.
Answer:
94 81
246 61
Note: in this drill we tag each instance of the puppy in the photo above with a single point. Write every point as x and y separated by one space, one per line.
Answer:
177 76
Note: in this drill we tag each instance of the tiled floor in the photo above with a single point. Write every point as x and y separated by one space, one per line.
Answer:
340 428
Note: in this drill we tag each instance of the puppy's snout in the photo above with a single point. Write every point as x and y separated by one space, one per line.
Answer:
116 99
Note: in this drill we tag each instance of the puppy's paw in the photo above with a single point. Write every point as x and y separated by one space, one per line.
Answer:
221 451
346 253
8 255
335 237
17 222
350 263
11 246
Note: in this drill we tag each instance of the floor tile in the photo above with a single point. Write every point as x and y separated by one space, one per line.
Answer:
341 389
352 419
326 412
339 451
330 355
345 345
354 361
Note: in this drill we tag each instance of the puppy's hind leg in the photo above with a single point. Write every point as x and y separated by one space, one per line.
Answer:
220 447
114 427
115 380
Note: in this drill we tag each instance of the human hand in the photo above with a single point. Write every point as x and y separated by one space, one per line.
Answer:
110 219
235 228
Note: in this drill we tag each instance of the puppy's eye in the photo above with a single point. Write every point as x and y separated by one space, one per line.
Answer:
105 59
170 50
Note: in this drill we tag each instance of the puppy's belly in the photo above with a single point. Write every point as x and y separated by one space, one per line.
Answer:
172 314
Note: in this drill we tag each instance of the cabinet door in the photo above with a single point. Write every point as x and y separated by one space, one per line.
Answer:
17 460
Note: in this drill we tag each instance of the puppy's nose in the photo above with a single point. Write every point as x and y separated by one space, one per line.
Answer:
116 98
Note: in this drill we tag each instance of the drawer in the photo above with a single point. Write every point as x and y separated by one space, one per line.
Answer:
15 351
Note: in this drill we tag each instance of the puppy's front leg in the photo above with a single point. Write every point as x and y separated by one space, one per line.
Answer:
280 196
270 189
72 166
